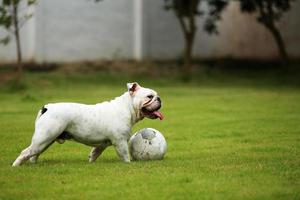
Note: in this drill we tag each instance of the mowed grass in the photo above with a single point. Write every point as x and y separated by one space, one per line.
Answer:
228 139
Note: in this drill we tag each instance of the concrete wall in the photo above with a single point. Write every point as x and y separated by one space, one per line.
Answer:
242 36
84 30
75 30
239 36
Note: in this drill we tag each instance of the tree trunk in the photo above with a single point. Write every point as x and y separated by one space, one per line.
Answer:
18 44
189 29
189 40
279 41
189 36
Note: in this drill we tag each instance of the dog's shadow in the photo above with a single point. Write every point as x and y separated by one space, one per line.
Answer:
69 161
80 162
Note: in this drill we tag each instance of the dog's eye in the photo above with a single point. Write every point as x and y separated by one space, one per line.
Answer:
150 96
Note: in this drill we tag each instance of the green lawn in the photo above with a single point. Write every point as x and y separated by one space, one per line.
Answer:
231 138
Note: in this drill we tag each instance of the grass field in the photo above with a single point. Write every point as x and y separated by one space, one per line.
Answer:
229 138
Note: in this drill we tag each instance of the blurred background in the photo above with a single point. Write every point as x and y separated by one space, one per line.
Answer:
85 30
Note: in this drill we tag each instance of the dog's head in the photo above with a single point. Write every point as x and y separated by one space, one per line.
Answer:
145 100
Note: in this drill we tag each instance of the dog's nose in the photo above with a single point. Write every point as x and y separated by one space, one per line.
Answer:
158 99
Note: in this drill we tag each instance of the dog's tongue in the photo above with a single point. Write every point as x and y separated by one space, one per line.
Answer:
158 114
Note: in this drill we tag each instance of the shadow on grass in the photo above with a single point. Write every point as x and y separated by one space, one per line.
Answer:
82 162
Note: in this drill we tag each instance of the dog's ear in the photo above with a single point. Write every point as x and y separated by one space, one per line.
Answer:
132 87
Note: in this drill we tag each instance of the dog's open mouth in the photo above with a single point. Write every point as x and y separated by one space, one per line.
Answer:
152 114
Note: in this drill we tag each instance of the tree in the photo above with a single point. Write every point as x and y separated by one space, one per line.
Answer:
186 12
268 13
12 21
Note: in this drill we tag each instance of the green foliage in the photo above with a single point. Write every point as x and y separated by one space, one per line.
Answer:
228 138
215 8
183 8
268 10
186 12
5 40
7 16
31 2
188 8
268 13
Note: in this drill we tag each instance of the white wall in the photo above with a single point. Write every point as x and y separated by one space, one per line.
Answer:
76 30
84 30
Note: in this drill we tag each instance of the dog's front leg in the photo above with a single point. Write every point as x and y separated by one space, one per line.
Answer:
121 147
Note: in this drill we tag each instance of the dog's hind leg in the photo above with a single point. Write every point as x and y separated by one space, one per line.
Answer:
34 158
43 137
97 151
32 152
25 155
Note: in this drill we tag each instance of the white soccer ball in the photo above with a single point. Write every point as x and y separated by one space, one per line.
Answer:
147 144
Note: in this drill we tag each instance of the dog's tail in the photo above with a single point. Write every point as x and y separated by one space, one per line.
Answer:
41 112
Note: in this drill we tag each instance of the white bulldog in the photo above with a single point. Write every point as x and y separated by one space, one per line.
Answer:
99 125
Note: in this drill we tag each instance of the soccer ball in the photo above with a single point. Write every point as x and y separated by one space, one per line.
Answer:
147 144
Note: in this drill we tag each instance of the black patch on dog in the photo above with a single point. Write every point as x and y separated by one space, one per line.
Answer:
65 136
43 110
